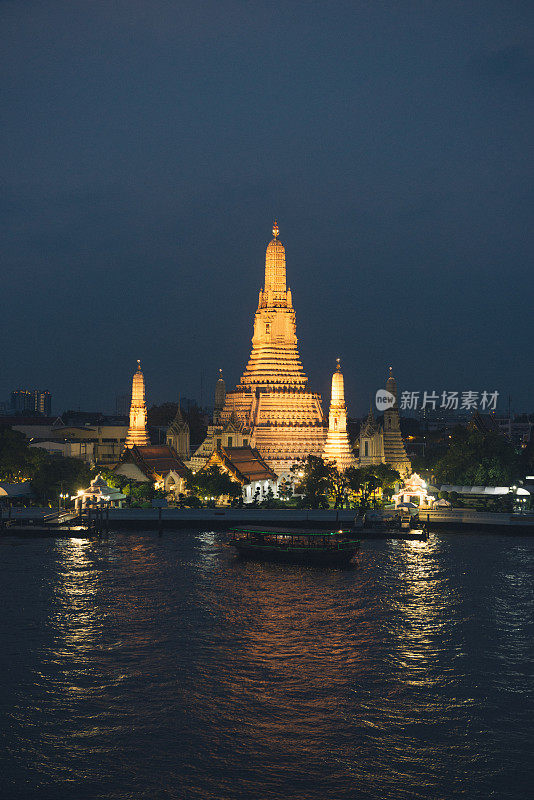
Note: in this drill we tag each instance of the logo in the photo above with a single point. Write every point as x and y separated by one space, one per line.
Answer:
384 399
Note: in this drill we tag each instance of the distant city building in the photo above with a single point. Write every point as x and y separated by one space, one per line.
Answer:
22 400
440 419
43 402
26 400
122 405
517 430
80 418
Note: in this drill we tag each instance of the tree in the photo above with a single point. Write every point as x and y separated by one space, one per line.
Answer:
526 459
387 478
362 482
337 486
13 455
212 482
475 458
268 500
52 474
313 481
162 415
285 489
49 474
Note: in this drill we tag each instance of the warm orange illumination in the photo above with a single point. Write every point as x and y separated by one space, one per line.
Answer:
272 399
337 448
137 432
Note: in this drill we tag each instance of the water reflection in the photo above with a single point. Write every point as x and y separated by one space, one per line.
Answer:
164 667
75 613
422 609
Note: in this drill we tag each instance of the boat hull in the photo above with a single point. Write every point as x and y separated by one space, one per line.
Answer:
295 555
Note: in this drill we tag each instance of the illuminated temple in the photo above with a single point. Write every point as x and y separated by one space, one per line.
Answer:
382 444
337 449
272 400
137 432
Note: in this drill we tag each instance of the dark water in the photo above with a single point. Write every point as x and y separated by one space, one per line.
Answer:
164 668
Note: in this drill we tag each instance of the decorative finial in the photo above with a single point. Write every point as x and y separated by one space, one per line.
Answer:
220 372
276 229
338 364
138 364
390 371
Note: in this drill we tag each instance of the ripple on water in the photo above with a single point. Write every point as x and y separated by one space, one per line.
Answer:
164 667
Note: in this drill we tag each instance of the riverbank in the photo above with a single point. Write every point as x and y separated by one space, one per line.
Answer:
221 518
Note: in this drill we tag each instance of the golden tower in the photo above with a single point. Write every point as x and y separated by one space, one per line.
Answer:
137 432
272 398
337 448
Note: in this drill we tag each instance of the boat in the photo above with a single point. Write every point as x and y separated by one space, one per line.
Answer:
303 546
402 526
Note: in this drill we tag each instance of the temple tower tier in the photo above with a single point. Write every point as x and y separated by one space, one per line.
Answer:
337 448
272 397
383 444
137 432
394 450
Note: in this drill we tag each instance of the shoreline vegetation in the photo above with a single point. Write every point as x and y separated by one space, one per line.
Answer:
472 458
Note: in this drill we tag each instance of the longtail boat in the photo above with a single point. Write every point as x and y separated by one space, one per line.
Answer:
304 546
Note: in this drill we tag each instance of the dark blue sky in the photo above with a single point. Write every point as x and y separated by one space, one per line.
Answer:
147 146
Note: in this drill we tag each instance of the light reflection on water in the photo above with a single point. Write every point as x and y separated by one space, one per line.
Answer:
164 667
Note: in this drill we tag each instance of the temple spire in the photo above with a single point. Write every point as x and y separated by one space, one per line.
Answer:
337 448
220 397
178 434
285 419
137 432
275 271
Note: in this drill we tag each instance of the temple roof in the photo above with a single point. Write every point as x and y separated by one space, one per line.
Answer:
485 423
244 463
178 424
370 425
155 460
99 488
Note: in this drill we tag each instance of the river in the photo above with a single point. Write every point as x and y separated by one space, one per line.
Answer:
164 667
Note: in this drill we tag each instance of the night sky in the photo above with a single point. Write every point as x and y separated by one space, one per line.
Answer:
147 147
